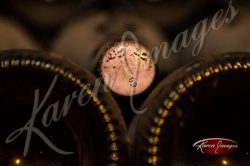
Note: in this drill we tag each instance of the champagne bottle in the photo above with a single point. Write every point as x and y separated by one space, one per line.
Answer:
128 71
197 116
54 113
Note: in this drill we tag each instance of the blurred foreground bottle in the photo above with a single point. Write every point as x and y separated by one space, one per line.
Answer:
233 36
170 14
47 13
14 36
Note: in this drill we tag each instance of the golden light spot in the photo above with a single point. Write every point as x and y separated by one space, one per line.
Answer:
95 98
245 66
113 136
189 83
111 127
70 76
102 109
154 149
235 67
164 113
170 104
216 70
114 146
114 156
157 131
78 81
17 161
89 92
61 71
107 118
182 90
53 67
155 140
12 62
160 122
73 78
23 62
207 73
175 97
198 78
81 85
154 160
225 67
224 162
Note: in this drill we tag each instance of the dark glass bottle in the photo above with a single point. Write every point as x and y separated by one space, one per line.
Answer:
203 103
72 118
